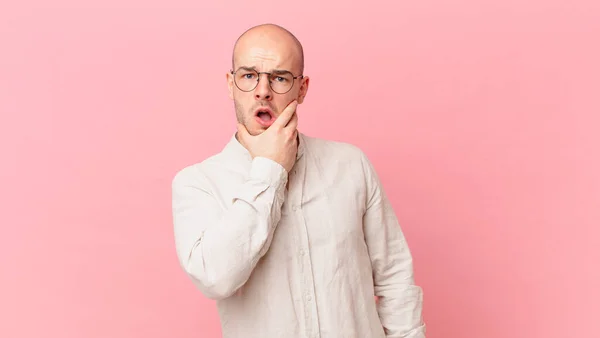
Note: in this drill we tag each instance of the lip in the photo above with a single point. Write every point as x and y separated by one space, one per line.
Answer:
260 121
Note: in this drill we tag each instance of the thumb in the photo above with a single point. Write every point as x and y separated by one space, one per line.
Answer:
242 132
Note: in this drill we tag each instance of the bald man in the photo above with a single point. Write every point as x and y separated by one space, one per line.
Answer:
292 235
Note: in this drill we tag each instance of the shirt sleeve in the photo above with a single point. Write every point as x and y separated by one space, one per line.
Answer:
219 248
399 299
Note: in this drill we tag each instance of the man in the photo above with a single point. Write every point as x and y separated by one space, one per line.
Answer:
292 235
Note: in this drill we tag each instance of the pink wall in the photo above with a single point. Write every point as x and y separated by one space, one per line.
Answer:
481 117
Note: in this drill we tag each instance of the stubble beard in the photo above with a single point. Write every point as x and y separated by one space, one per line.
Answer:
241 116
244 116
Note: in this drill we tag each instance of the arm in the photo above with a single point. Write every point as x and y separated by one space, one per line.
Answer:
219 248
400 300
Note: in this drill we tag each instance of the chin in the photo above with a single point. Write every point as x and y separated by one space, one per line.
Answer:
256 130
259 131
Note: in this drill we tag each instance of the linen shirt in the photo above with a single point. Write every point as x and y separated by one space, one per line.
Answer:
313 253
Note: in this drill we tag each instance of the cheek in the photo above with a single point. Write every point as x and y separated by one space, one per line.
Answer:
242 101
283 101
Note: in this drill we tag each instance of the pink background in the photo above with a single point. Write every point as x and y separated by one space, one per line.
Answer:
482 119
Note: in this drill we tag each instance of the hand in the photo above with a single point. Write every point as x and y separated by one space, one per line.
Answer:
278 142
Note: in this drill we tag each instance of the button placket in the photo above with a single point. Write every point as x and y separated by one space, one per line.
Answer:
306 281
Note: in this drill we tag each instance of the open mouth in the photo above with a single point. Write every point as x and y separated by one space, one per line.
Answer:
264 115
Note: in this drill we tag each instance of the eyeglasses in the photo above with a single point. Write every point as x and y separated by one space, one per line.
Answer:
280 81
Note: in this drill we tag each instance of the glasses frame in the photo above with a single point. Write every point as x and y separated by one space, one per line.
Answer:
258 79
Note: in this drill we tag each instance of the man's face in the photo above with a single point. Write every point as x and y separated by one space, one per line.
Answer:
257 108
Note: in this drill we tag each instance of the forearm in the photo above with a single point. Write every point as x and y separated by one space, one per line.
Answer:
218 248
228 251
400 302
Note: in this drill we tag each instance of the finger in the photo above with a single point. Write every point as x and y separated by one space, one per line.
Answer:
242 132
286 115
293 124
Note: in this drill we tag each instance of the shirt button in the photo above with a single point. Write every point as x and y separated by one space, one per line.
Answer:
295 207
301 252
309 298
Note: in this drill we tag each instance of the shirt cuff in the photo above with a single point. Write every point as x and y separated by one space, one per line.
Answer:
268 171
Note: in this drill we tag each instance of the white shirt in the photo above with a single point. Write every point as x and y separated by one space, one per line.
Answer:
305 262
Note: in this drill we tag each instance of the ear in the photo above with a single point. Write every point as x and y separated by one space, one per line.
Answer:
303 89
230 84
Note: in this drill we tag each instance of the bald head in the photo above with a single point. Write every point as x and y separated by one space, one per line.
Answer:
269 39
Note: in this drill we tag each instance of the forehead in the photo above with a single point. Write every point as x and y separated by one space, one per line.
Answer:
266 56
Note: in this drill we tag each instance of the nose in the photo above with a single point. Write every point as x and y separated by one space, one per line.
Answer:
263 89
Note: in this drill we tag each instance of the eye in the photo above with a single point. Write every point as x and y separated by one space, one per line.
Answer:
280 79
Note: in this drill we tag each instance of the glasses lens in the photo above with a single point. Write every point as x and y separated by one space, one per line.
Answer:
281 82
246 80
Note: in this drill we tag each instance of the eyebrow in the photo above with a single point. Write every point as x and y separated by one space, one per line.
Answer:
275 71
247 68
